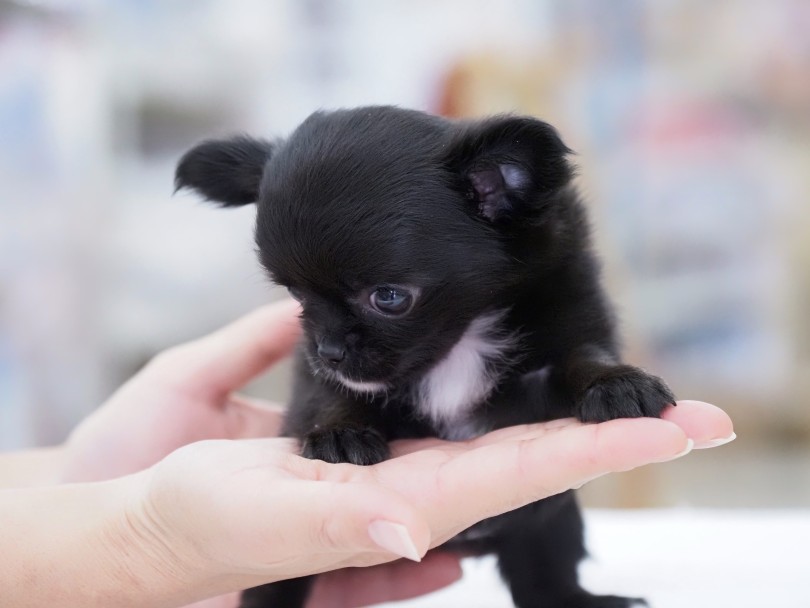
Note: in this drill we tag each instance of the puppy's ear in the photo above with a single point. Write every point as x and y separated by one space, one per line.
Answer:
226 171
509 165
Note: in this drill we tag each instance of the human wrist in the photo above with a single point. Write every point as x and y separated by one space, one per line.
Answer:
81 545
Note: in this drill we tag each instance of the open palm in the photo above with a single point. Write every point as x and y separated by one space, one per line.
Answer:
186 396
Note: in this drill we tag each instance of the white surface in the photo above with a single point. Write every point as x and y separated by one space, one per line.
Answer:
676 559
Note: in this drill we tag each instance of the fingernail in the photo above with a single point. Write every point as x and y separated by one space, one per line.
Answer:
689 445
713 443
394 538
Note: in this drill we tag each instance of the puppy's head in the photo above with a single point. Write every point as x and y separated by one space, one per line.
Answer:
395 229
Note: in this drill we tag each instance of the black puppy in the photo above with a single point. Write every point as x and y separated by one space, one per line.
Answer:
448 288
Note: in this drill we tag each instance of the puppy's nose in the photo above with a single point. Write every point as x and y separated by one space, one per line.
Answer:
332 354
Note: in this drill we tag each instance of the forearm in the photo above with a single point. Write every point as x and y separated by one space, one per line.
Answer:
31 468
75 545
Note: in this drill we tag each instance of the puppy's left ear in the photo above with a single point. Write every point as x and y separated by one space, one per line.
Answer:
226 171
510 165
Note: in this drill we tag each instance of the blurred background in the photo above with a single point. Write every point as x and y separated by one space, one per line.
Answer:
691 121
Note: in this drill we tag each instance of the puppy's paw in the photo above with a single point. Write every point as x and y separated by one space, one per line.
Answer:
624 392
363 446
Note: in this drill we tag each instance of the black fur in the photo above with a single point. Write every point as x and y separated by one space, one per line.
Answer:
465 219
226 172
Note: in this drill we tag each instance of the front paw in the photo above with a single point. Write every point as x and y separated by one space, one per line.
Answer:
624 392
363 446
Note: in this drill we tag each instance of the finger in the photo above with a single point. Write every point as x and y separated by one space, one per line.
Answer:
408 446
352 519
250 417
707 425
525 431
499 477
400 580
403 447
227 359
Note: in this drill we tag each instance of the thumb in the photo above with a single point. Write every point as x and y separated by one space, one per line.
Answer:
353 518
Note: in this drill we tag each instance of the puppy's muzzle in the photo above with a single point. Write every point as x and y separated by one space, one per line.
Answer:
331 353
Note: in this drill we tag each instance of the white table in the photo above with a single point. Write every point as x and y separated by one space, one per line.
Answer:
678 558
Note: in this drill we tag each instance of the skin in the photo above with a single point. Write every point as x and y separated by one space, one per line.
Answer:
176 494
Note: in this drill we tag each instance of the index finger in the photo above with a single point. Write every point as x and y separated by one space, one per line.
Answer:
499 477
228 358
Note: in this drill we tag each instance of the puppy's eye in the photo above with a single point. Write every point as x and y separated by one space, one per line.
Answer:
391 301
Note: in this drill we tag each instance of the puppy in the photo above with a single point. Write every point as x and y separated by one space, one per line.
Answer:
448 289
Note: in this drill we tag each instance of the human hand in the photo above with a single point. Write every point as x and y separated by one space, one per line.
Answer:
227 515
185 394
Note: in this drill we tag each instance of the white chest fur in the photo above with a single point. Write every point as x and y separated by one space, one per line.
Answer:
464 377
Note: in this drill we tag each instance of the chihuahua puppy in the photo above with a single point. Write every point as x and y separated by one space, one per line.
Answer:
448 288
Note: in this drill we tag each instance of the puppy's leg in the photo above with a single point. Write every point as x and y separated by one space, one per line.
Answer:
335 439
336 427
605 389
539 549
292 593
349 442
